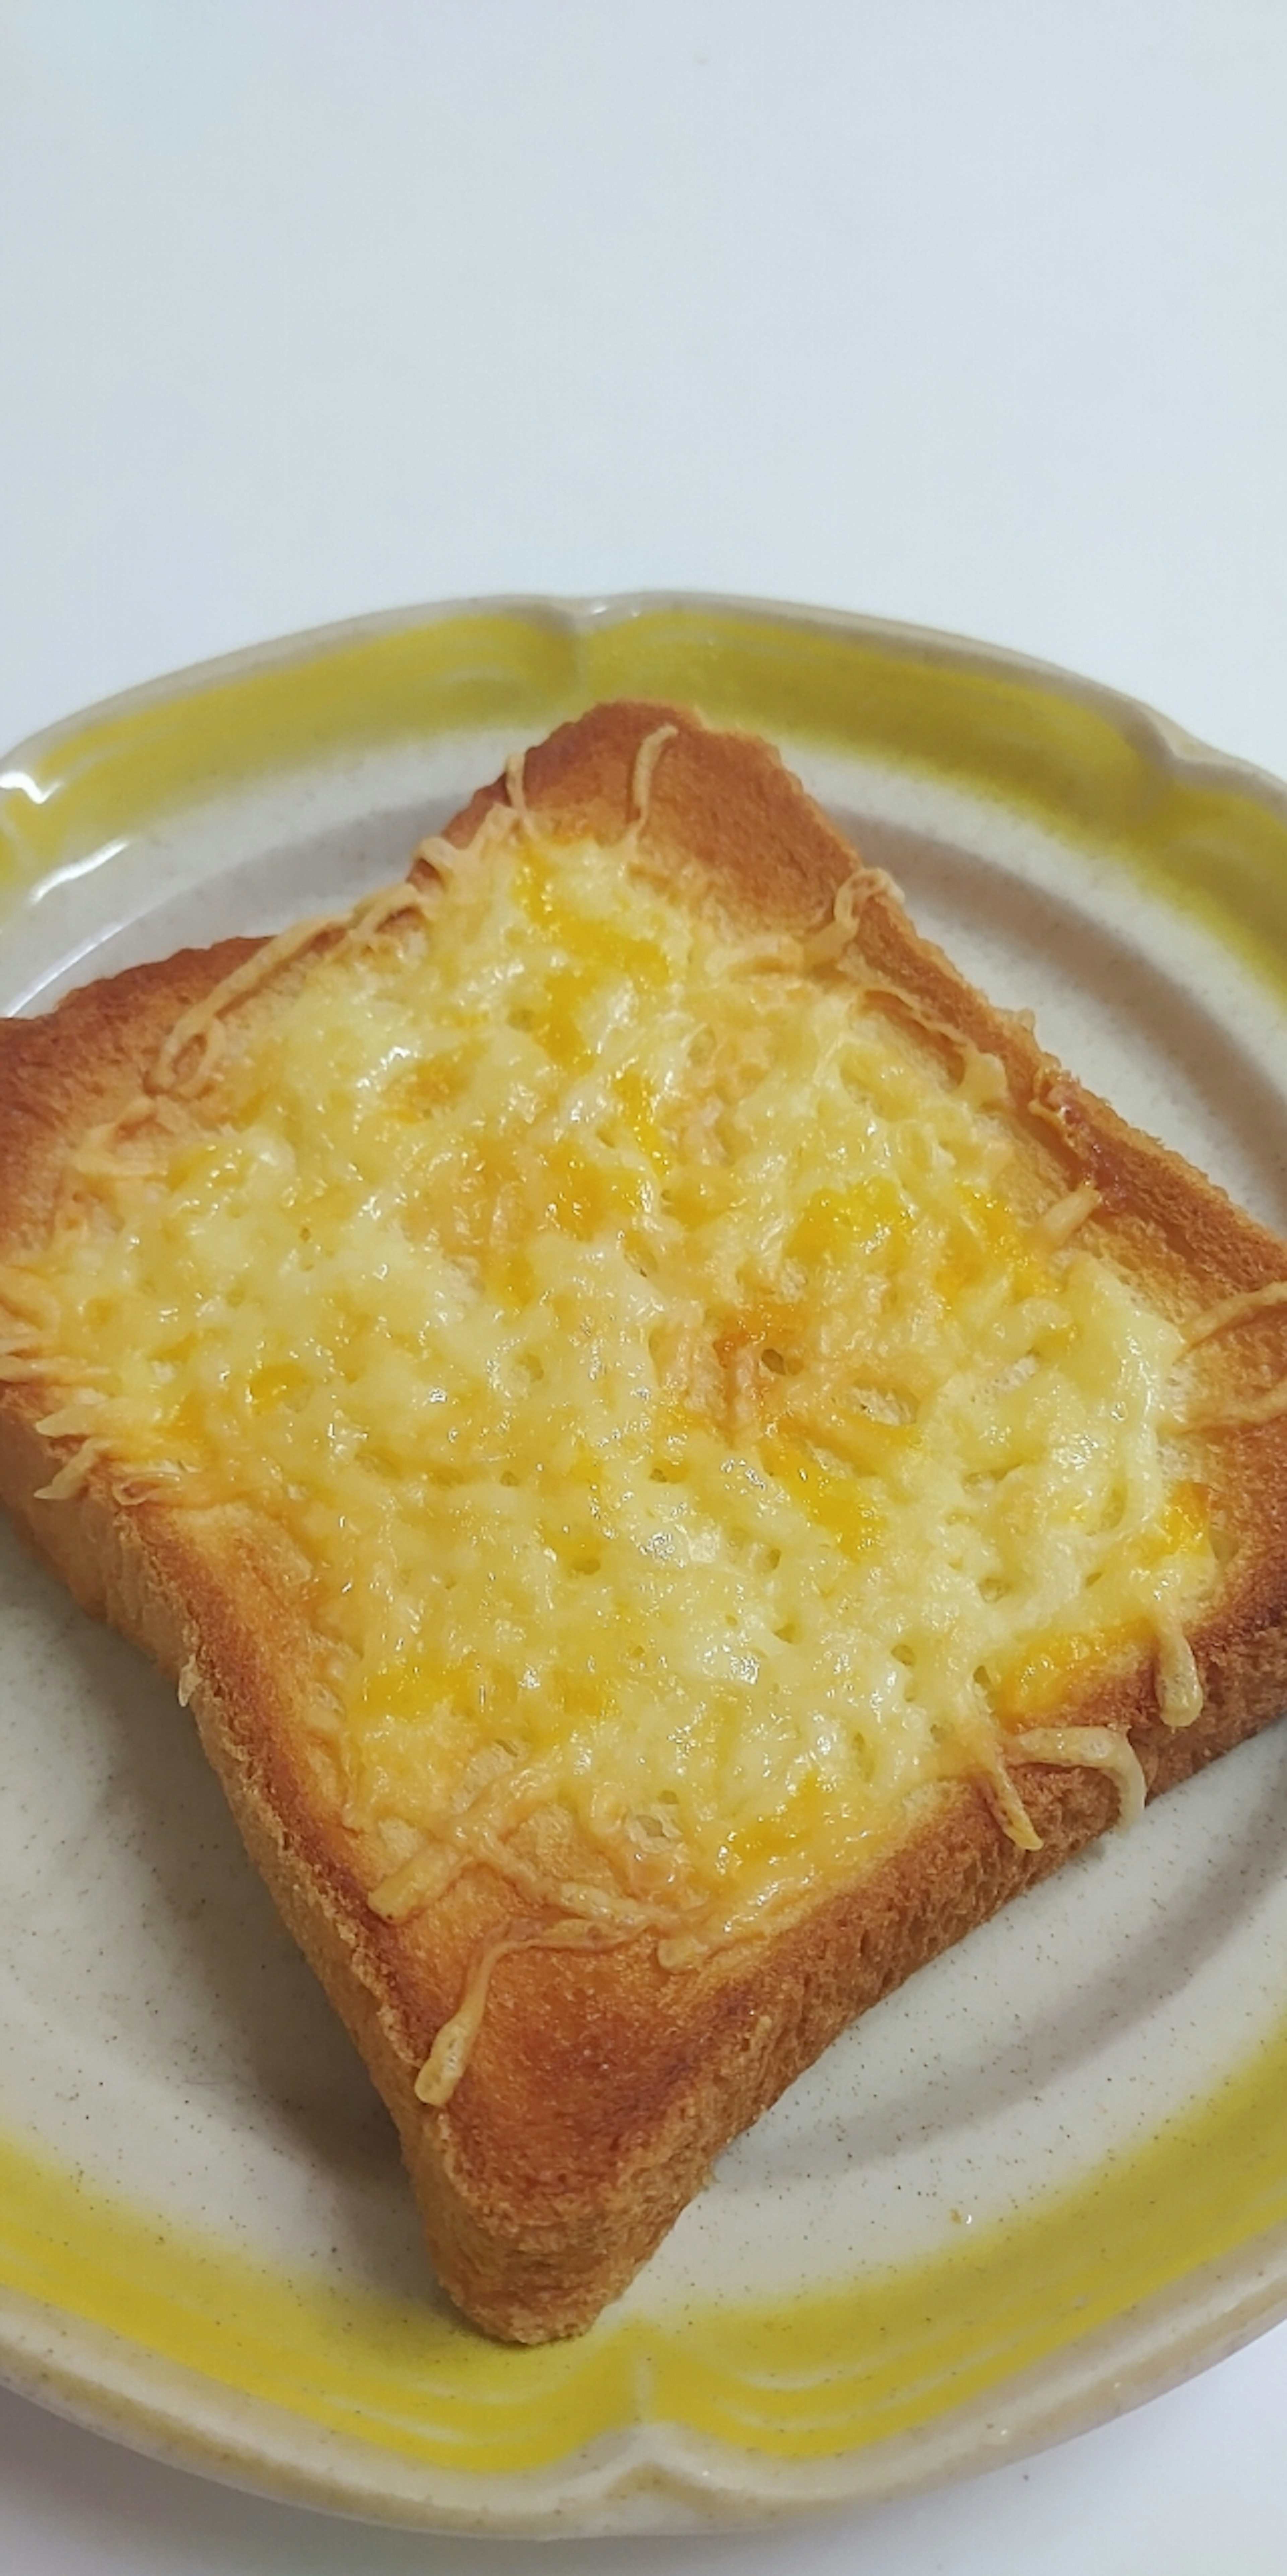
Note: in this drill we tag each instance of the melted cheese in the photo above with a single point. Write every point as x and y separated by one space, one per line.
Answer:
675 1427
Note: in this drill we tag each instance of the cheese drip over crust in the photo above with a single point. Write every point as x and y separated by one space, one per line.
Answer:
679 1432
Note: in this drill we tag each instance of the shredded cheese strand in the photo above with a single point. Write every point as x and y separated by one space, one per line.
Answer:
1235 1310
822 947
645 771
202 1025
453 2047
983 1077
1058 1223
73 1476
1089 1748
1180 1696
1235 1412
516 788
1011 1814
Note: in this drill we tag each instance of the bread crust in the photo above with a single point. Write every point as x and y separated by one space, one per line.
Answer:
601 2086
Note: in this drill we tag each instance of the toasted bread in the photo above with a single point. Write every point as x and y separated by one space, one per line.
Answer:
568 2016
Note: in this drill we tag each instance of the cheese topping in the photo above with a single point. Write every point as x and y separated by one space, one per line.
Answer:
678 1432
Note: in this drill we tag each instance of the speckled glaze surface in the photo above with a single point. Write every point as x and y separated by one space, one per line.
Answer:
1033 2188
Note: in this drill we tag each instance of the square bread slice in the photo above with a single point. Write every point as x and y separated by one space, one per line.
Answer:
676 1457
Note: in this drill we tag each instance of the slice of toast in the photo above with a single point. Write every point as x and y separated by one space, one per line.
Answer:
617 1922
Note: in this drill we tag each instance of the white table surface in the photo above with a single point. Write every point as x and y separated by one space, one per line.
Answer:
964 311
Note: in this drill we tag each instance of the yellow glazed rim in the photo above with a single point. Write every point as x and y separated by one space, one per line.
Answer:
1098 767
1161 2260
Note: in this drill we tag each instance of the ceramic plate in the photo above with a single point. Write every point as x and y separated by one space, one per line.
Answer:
1042 2182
